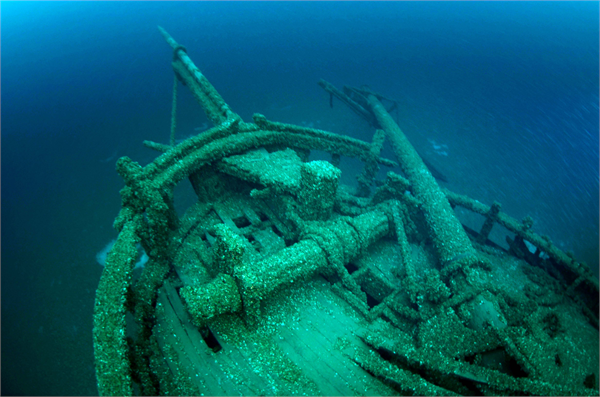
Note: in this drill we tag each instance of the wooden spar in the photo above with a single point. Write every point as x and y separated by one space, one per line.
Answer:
449 238
357 108
205 94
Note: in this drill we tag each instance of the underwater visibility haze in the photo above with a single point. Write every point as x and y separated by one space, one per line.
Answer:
499 97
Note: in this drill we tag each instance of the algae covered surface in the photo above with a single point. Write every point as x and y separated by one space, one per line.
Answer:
291 249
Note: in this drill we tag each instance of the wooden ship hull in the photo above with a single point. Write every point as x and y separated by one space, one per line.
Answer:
279 280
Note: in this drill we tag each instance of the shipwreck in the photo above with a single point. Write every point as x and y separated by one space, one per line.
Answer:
281 280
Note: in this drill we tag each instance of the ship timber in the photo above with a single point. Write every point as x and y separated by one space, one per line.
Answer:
280 280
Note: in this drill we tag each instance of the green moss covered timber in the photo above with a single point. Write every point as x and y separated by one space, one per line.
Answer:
449 237
110 345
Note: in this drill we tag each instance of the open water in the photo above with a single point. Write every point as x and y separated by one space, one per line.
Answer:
500 97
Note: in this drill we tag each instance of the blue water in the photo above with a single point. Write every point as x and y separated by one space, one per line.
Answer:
502 97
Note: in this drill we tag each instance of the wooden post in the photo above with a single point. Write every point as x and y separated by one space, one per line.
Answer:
490 220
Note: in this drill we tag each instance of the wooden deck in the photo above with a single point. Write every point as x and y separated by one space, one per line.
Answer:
297 348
